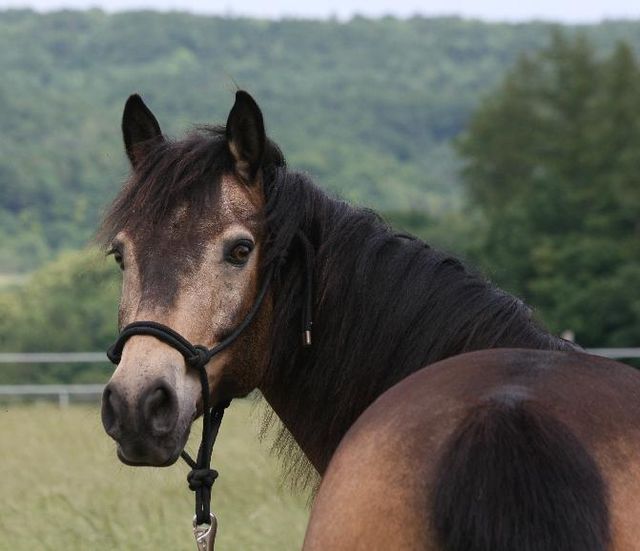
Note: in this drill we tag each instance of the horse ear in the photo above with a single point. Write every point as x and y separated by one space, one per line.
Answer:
246 136
139 128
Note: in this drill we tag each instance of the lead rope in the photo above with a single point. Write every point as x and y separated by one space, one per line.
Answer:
202 476
307 305
201 479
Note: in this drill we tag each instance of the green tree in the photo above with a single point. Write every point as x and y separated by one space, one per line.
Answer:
552 160
68 305
367 106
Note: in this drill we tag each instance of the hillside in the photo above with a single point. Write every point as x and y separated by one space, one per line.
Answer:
369 107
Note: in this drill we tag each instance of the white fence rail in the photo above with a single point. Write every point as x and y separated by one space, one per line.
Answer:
62 392
52 357
616 353
93 391
101 357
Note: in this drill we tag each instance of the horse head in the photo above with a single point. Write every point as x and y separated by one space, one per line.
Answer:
188 232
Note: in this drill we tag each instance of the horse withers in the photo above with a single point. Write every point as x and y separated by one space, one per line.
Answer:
439 415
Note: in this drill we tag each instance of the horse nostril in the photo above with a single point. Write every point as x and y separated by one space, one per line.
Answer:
111 411
160 409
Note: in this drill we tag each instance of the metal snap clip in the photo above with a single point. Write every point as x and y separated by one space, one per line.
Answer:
205 534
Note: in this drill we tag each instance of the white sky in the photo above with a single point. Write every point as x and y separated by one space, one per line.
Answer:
504 10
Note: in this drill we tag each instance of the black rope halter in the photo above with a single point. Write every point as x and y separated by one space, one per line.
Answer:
202 476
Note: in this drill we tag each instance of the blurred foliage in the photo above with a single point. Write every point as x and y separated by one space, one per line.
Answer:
553 160
68 305
367 106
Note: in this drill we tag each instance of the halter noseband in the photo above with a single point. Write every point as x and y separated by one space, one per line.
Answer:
202 476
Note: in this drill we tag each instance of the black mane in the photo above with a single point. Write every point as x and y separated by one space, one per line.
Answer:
385 306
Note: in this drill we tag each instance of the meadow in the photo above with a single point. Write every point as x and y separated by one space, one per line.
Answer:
63 488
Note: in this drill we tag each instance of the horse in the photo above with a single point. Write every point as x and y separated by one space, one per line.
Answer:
437 412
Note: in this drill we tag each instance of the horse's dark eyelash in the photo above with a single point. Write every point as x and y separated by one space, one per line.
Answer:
113 251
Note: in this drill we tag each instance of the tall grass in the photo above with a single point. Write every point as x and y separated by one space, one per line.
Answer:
62 488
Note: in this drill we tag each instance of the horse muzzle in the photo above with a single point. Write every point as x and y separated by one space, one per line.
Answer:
148 427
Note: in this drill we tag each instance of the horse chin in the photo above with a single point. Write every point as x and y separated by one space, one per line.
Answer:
148 461
149 453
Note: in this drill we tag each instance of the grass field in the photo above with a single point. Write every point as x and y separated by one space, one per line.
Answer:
62 488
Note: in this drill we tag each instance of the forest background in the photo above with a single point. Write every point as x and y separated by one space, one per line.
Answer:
515 146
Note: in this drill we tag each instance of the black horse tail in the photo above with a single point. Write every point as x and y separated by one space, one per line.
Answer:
513 478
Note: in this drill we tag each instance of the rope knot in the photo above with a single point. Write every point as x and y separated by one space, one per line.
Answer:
201 478
114 354
200 358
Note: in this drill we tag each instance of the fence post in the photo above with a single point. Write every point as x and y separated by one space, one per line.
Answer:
63 399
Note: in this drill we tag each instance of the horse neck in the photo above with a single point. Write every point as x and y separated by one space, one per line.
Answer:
385 306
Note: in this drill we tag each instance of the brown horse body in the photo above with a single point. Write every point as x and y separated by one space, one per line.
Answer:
530 446
381 486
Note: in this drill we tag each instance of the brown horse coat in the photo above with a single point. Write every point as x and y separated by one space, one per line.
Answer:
380 489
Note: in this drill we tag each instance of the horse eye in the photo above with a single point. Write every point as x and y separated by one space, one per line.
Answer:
117 256
238 255
119 260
